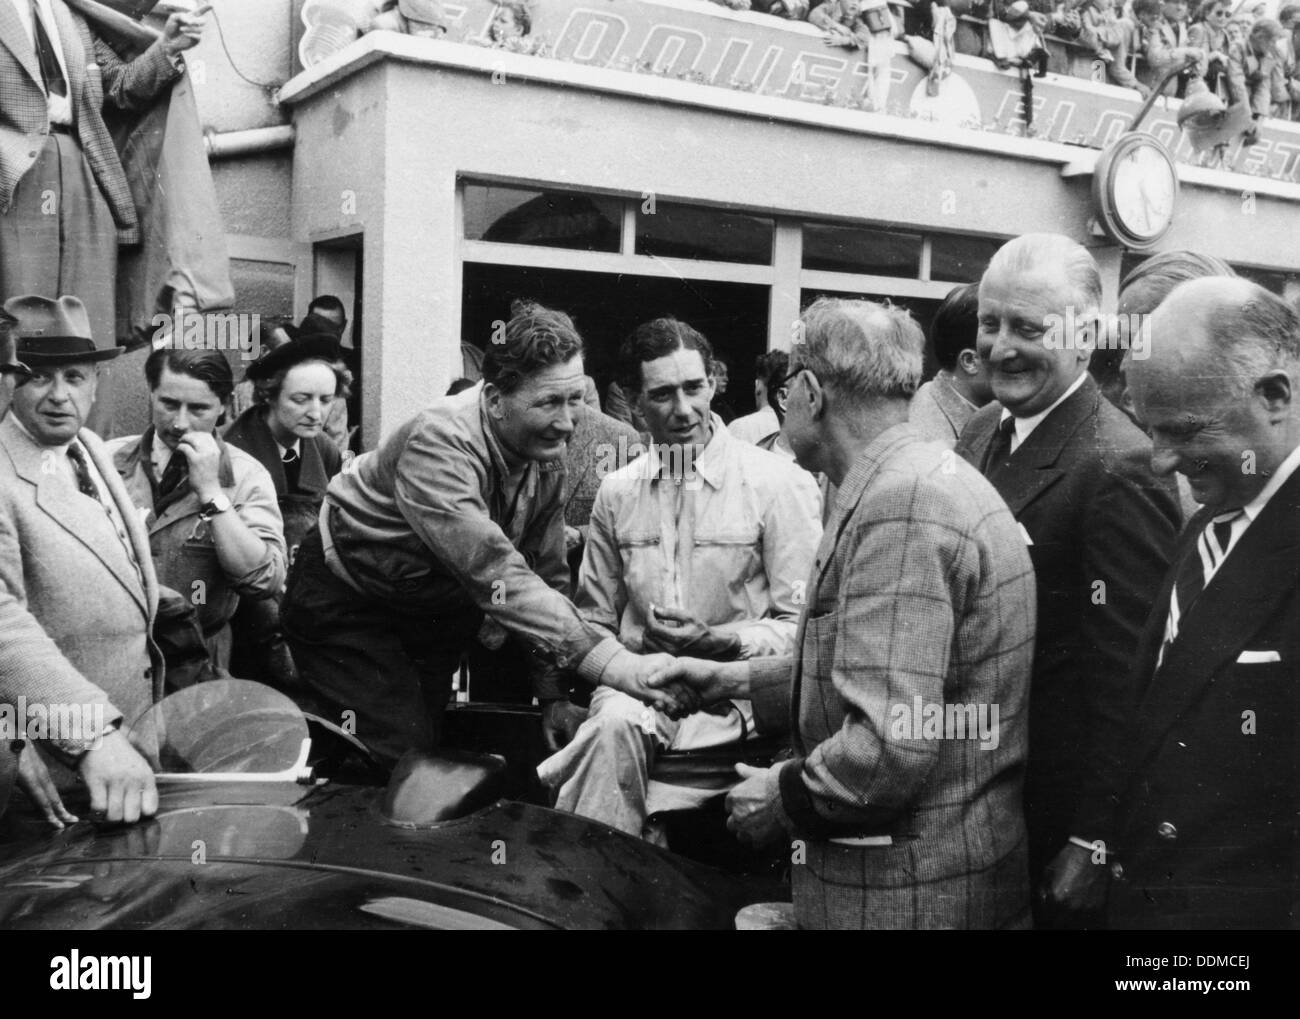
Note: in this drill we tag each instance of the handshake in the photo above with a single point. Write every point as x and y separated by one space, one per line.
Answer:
687 665
676 686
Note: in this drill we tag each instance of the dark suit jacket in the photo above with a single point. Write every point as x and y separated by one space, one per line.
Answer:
320 457
1208 834
95 72
1102 529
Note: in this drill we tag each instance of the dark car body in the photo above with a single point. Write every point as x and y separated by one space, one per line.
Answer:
279 856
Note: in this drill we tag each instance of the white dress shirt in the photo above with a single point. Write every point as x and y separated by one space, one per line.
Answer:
60 107
1025 426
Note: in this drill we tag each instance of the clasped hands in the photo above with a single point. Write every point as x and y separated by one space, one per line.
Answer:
687 665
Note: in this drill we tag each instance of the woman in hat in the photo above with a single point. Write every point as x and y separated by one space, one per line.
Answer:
294 387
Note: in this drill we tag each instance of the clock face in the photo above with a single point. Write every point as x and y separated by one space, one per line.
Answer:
1144 187
1135 186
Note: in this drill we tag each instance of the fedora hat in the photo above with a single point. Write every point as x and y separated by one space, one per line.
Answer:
54 331
305 347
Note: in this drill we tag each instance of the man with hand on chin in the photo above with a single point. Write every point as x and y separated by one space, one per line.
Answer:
67 527
701 547
214 523
452 528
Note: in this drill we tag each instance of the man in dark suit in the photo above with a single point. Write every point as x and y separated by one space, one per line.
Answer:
1208 836
65 202
1100 528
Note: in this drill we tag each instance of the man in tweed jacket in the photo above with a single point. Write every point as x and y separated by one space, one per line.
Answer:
910 676
65 202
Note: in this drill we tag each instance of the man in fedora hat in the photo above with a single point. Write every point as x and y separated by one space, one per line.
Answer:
215 530
67 527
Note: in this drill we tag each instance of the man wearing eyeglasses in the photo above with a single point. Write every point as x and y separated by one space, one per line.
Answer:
67 527
903 799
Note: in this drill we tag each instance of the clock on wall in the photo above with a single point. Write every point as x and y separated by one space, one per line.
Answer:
1134 188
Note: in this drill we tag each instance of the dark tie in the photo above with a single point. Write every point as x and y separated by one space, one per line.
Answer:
1201 561
51 73
174 483
292 468
1000 447
82 470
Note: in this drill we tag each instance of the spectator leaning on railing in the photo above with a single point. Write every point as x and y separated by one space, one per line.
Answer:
1251 67
1114 41
1210 33
1161 46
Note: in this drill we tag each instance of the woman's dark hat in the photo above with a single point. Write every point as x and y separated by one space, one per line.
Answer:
307 347
50 332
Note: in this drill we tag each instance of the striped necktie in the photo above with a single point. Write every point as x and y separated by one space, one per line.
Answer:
1194 571
85 483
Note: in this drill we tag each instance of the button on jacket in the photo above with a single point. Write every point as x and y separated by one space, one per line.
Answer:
182 545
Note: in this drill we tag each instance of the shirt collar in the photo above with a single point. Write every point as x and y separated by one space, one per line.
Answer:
62 446
1025 426
160 455
947 378
710 465
296 447
1284 471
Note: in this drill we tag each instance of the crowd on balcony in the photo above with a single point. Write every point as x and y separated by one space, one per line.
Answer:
1233 50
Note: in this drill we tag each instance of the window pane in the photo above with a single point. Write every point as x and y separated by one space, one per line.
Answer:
548 219
862 250
957 259
689 231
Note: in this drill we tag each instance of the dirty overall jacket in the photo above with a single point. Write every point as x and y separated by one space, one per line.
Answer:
182 545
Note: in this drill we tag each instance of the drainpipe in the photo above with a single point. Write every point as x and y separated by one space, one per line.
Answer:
256 141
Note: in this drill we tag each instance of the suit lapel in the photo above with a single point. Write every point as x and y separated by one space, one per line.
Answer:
1263 566
74 53
1033 467
80 517
846 504
15 38
135 528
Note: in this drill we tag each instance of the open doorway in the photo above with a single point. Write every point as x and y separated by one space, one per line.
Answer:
607 306
337 270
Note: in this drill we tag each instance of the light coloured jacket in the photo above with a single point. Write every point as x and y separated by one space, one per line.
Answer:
182 546
737 555
422 523
75 609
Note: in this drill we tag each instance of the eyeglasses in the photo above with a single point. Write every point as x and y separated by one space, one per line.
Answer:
788 378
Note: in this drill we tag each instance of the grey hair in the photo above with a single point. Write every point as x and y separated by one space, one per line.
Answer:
862 349
1035 251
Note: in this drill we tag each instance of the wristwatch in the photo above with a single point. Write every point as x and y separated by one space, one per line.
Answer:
217 504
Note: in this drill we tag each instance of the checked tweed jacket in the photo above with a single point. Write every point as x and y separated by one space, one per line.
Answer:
95 72
922 588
